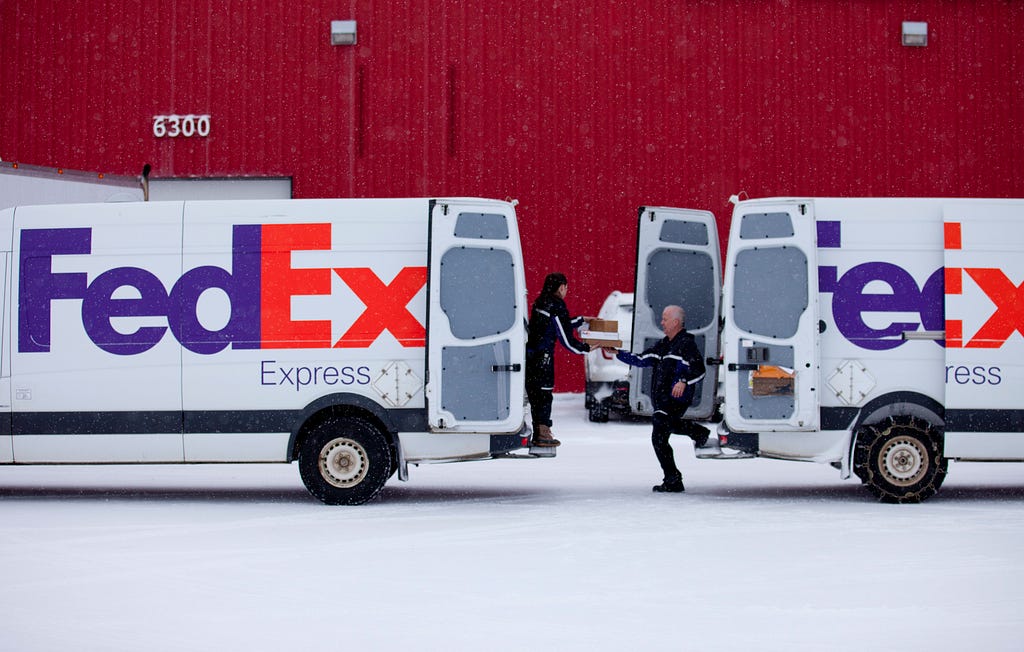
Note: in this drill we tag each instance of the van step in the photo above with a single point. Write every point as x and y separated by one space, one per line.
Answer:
712 451
543 451
534 452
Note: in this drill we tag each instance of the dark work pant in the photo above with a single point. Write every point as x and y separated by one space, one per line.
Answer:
664 426
540 405
540 383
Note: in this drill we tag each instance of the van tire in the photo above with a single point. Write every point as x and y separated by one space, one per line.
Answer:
344 461
598 412
900 459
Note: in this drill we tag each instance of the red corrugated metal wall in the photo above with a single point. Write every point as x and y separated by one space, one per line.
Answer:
582 110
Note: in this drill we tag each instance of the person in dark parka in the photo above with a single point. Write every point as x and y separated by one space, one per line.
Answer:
549 323
678 367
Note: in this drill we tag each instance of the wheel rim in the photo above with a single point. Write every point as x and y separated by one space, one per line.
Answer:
344 462
903 461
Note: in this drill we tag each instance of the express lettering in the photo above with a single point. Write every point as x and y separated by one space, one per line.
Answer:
976 375
272 374
260 287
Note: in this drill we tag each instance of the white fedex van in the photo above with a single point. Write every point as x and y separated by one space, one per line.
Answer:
353 335
882 336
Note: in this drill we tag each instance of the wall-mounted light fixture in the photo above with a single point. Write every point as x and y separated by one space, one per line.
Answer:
343 32
915 34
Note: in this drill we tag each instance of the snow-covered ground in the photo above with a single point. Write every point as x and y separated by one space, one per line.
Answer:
571 553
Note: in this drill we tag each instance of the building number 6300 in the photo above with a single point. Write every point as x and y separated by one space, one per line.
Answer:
172 126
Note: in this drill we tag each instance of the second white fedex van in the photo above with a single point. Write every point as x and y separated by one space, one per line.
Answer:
884 336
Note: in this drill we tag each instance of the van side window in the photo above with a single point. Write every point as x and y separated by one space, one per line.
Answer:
478 291
770 290
758 226
683 232
489 226
682 278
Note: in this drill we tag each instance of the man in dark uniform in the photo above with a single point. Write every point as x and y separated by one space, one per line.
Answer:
549 323
678 367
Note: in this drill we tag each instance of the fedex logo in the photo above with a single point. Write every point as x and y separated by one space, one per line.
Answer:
850 302
259 287
1006 296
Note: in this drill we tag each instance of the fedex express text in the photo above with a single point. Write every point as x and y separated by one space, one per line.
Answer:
260 287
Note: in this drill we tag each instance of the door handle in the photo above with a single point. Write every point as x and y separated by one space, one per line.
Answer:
743 367
506 367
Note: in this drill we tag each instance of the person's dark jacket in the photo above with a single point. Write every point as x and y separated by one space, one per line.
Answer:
673 360
549 323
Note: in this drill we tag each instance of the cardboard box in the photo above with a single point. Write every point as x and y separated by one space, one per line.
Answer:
602 332
603 326
594 341
770 380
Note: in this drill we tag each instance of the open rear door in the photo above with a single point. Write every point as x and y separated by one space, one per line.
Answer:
476 322
678 263
770 335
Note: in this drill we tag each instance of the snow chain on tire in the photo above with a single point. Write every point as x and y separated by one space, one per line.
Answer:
900 459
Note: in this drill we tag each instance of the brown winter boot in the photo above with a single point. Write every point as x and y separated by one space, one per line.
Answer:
542 437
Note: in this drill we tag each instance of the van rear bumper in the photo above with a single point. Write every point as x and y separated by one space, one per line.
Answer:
501 444
746 442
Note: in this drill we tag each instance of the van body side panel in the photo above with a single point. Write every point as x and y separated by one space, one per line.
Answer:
879 276
984 324
308 298
90 335
6 440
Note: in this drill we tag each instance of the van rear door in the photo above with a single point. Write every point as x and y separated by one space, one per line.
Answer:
770 332
678 263
475 318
